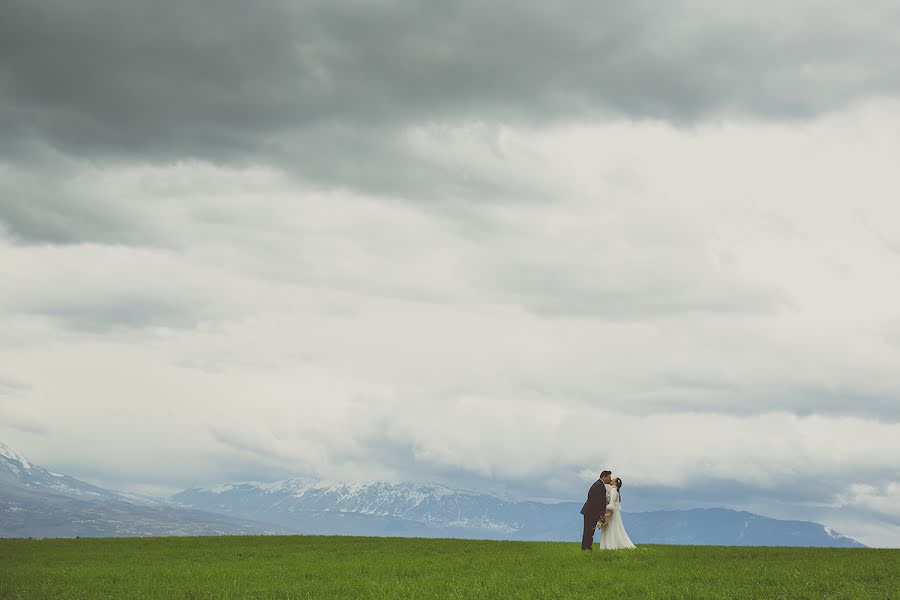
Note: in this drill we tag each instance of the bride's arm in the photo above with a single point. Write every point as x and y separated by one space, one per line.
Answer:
612 500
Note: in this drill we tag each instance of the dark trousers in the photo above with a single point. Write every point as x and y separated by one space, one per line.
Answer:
587 538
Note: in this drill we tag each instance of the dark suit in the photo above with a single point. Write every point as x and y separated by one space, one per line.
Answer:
593 510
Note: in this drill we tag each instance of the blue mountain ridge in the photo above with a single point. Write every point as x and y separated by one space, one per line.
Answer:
428 510
35 502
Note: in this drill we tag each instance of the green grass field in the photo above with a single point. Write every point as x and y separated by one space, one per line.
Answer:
344 567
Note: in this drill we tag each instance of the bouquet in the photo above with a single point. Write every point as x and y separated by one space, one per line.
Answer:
601 523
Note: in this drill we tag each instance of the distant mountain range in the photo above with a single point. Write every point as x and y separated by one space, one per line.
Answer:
407 509
35 502
38 503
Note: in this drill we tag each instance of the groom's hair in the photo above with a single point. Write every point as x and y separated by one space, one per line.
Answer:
605 473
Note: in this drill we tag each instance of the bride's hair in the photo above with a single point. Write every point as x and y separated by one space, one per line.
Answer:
619 487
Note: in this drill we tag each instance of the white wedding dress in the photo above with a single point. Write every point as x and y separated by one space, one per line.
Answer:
613 536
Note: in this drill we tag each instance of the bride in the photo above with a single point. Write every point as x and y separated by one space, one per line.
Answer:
613 536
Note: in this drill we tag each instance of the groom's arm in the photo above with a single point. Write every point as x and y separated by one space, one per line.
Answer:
597 499
592 503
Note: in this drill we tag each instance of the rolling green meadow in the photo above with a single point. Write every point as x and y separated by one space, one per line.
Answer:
357 567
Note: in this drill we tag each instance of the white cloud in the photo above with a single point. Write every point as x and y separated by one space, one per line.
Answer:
686 305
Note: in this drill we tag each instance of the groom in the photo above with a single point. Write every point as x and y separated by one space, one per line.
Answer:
594 509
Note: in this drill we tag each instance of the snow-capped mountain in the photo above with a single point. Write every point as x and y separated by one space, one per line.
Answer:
17 469
36 502
379 508
374 507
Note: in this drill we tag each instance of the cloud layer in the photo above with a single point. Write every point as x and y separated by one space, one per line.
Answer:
331 90
485 245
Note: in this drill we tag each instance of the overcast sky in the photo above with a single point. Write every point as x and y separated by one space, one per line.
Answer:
497 246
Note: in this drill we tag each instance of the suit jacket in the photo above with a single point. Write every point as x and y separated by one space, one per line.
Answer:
595 505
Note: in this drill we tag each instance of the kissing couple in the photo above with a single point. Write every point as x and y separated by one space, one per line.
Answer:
602 511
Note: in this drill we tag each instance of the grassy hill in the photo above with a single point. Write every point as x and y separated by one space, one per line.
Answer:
347 567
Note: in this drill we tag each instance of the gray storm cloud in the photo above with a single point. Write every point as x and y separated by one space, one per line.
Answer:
291 81
333 92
